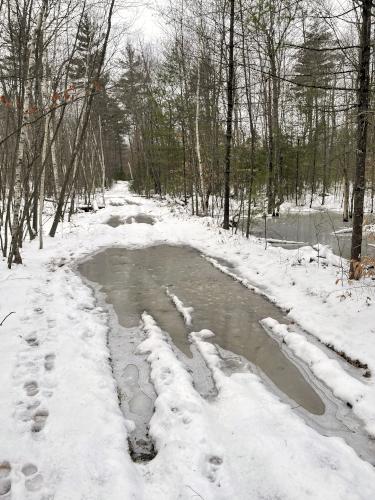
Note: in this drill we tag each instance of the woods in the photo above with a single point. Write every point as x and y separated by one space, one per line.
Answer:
297 108
187 238
52 77
244 106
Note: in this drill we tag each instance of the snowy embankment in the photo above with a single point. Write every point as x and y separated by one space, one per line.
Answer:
62 433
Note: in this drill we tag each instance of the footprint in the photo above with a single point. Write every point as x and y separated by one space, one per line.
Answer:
24 411
5 469
5 486
32 341
51 322
31 388
29 469
5 483
183 415
49 362
33 405
131 376
213 466
40 417
34 481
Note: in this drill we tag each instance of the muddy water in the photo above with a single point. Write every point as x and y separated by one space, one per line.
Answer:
135 281
324 227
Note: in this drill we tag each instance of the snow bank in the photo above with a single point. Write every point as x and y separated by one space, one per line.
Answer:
359 395
189 456
225 448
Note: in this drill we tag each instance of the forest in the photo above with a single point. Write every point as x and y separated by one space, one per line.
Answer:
187 235
255 101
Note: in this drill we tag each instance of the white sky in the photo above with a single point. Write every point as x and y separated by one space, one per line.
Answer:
143 18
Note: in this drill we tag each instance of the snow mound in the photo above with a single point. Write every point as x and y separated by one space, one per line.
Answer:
183 310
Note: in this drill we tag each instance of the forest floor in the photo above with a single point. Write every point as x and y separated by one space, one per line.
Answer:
62 433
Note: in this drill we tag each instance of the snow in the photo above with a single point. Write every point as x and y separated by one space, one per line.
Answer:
334 201
185 312
227 445
347 388
62 432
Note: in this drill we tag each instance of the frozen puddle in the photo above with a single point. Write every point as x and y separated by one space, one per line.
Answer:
162 280
140 219
296 229
116 221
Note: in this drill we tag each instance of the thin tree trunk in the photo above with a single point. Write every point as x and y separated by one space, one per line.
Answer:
362 125
80 136
14 252
197 141
228 149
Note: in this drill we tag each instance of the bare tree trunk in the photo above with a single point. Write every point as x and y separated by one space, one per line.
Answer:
197 141
362 125
55 172
42 180
102 161
346 192
228 149
14 251
80 136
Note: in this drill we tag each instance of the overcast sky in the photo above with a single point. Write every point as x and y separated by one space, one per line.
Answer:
145 23
143 19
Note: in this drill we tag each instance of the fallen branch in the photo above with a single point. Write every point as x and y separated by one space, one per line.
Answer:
7 316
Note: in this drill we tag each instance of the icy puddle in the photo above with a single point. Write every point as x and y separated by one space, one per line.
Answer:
293 230
116 221
148 279
141 280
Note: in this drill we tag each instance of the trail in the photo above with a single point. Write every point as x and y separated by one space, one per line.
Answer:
63 435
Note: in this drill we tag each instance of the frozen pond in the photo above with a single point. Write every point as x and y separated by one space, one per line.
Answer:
310 228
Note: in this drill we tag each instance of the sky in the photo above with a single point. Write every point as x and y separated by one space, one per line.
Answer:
143 19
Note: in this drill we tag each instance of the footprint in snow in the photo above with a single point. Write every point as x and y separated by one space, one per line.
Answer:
31 388
32 340
213 465
34 480
49 362
39 420
184 416
31 411
5 482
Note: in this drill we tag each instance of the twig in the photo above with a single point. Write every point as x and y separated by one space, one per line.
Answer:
196 493
7 316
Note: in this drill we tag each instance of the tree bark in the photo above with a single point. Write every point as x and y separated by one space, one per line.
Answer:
363 93
14 251
228 149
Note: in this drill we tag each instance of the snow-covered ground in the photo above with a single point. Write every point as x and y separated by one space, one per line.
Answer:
62 434
334 201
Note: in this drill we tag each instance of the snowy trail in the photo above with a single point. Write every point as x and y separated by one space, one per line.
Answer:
63 435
